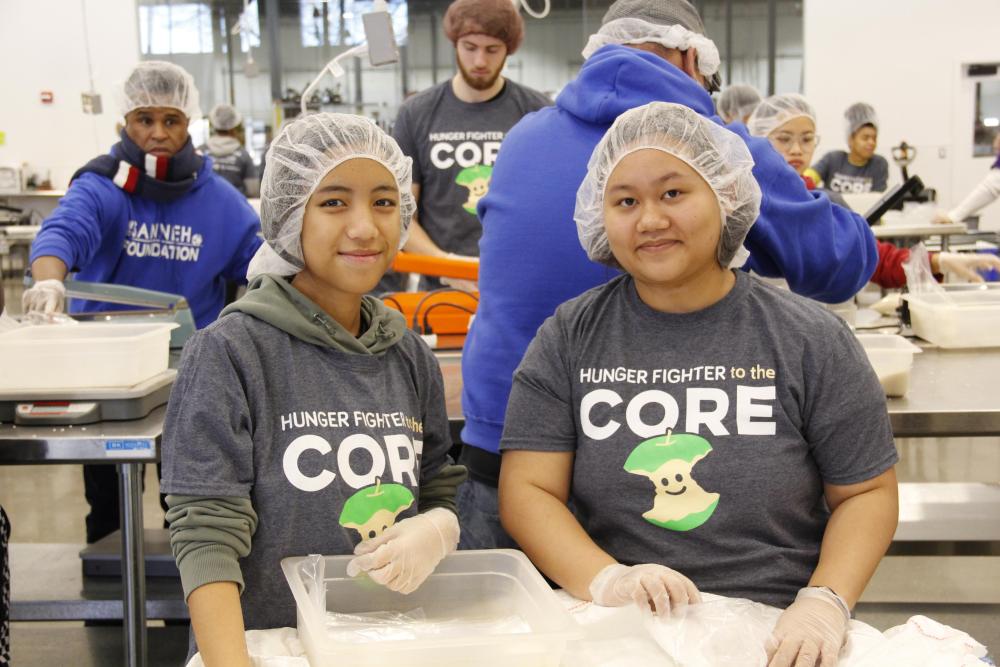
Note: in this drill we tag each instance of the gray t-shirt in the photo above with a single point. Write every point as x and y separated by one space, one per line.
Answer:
327 445
766 395
840 175
454 145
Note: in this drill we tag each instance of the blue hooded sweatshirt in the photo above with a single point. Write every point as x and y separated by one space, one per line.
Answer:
190 246
531 259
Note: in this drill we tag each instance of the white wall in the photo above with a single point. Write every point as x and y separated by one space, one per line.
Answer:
905 57
42 48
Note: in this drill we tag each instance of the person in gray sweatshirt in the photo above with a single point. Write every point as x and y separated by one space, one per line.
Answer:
230 159
308 418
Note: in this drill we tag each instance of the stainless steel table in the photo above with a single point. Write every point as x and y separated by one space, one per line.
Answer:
952 393
126 445
886 232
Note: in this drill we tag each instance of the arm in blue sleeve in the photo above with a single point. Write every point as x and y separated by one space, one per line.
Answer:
74 231
247 240
825 252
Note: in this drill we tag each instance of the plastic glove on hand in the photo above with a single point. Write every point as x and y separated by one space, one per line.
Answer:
648 585
964 264
45 296
404 555
888 305
941 217
810 632
458 283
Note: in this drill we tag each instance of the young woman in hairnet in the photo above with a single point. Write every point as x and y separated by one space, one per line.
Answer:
789 123
714 433
309 419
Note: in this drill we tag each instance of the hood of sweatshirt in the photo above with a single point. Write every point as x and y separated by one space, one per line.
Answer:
221 146
274 300
618 78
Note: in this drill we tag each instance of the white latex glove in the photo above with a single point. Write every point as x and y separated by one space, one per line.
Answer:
964 264
45 296
458 283
647 585
406 554
810 632
941 217
888 305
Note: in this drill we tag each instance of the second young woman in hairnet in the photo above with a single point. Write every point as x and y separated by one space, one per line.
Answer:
789 122
309 419
713 432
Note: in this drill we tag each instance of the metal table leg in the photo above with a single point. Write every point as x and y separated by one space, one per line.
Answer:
133 564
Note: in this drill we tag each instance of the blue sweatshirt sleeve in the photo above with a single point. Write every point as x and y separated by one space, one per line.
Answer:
247 242
824 251
74 231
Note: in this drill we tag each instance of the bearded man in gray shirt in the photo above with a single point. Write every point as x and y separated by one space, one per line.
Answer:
454 129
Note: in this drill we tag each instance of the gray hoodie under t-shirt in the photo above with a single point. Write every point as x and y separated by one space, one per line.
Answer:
283 427
767 396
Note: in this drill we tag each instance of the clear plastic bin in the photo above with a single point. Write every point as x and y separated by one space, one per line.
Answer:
84 356
476 586
959 319
892 358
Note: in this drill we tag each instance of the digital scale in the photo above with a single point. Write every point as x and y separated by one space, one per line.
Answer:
61 407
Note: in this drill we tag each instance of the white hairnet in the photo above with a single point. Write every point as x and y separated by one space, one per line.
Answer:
638 31
737 101
225 117
156 83
718 155
302 154
857 115
776 110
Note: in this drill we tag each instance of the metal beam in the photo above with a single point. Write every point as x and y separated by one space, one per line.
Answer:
772 43
729 42
274 47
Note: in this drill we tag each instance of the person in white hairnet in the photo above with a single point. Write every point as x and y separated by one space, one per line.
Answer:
645 51
230 159
700 421
858 169
789 122
149 214
737 102
309 419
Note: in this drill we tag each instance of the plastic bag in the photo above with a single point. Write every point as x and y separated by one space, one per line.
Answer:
313 569
414 624
919 277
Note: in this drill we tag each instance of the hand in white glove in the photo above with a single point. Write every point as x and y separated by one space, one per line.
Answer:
964 264
459 283
941 217
45 296
648 585
406 554
810 632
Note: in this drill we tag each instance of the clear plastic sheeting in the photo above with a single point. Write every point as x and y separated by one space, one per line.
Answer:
414 624
919 276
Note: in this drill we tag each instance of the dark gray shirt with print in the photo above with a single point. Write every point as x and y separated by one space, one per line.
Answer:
329 446
454 145
702 440
840 175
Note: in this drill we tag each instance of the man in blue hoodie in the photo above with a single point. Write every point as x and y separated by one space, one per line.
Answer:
150 214
531 259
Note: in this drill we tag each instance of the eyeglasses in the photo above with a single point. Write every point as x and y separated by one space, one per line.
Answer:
785 140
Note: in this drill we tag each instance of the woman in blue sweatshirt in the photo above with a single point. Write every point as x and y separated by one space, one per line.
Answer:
308 419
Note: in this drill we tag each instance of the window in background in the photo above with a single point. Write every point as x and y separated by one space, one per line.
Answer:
987 121
175 28
311 21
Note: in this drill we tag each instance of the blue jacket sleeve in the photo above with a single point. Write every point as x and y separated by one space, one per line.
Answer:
825 252
74 231
245 244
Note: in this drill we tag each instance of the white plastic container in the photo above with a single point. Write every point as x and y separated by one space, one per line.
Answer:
959 319
479 586
892 358
83 356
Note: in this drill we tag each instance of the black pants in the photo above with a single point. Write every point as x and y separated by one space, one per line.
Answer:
4 591
100 486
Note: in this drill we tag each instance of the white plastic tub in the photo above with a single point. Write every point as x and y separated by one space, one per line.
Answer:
958 319
83 356
892 358
475 586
